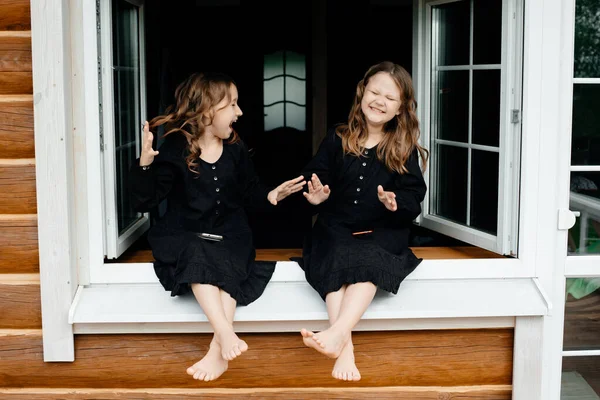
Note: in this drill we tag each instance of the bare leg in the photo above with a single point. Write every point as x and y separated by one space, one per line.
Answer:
345 366
213 365
356 299
210 299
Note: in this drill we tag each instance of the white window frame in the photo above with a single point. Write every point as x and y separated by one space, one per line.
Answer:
68 175
114 243
504 241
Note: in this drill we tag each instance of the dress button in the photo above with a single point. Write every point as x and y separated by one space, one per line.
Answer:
366 151
355 201
216 178
214 167
358 189
364 164
217 212
218 201
360 177
217 190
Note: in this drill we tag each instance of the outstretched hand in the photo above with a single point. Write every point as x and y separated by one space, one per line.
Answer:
285 189
148 153
387 198
317 193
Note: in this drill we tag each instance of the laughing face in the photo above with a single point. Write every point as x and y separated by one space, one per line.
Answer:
225 114
381 100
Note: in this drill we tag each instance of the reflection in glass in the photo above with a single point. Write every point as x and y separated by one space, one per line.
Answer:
585 148
580 378
284 90
587 39
582 314
450 197
584 236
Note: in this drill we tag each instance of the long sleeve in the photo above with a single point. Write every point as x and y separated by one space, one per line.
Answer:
149 187
254 192
410 191
322 164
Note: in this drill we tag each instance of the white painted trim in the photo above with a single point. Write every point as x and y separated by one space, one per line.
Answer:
295 300
585 168
588 81
582 266
51 61
580 353
527 359
485 268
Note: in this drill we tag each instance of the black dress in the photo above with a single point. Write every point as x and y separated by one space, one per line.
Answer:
332 256
212 202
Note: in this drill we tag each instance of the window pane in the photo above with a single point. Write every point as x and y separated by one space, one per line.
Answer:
125 213
582 314
451 22
273 90
487 31
125 34
295 65
126 75
586 125
486 107
274 116
452 122
295 90
587 39
584 237
273 65
484 191
580 378
295 116
450 197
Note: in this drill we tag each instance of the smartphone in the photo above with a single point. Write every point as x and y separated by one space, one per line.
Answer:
210 236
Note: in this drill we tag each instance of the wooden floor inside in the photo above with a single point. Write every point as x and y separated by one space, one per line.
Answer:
140 253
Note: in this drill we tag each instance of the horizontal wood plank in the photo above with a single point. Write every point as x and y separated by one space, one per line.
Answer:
406 358
15 53
17 188
491 392
16 83
19 252
15 15
20 304
16 128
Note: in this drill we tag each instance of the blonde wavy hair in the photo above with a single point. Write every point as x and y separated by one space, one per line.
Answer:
195 98
401 133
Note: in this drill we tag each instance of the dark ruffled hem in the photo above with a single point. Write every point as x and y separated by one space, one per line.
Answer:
177 280
386 279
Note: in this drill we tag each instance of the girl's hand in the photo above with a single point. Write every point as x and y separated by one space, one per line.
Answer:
317 193
387 198
285 189
148 153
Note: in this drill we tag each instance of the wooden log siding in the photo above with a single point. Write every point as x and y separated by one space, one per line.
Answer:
401 358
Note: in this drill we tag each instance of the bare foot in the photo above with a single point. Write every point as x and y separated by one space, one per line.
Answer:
345 367
329 342
211 366
307 338
231 345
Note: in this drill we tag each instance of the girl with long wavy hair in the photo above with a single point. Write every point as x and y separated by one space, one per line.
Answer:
203 243
368 185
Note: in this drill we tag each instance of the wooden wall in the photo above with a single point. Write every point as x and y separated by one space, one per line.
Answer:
454 364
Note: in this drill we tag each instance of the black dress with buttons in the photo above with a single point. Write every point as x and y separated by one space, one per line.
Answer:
213 202
332 255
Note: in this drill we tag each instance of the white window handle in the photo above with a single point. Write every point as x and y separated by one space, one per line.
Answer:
566 218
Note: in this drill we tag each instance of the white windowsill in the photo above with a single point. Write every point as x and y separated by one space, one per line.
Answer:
289 303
